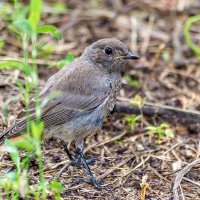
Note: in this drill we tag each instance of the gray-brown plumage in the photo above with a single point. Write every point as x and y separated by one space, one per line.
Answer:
87 89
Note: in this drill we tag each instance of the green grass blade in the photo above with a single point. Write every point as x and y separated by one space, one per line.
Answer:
49 29
190 21
35 13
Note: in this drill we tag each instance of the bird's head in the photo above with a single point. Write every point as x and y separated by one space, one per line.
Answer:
109 53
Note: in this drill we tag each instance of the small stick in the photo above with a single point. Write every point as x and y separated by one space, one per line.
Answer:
180 176
101 177
168 113
144 185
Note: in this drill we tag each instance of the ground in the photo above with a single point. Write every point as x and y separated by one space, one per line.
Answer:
168 73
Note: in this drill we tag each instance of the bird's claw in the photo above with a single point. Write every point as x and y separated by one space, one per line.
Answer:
92 181
80 164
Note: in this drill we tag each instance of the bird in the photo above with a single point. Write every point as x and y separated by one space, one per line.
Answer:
86 89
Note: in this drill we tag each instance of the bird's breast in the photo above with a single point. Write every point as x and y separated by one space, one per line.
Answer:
116 86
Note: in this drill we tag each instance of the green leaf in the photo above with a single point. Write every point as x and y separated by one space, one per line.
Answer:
138 101
15 1
27 69
26 159
12 176
164 125
11 64
131 82
9 180
56 186
15 64
44 49
190 21
169 133
25 143
49 29
20 85
151 128
2 43
35 13
160 135
70 57
14 154
161 130
132 121
23 25
37 129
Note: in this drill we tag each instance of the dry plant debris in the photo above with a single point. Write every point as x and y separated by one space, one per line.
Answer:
168 75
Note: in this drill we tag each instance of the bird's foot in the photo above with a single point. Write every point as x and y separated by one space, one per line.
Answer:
95 183
79 164
90 180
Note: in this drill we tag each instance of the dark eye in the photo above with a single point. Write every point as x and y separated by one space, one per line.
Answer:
108 50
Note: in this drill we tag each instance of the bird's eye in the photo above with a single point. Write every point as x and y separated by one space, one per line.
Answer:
108 50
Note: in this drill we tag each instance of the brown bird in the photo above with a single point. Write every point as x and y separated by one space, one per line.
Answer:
87 89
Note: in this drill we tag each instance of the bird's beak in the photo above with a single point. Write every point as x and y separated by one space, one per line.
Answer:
127 56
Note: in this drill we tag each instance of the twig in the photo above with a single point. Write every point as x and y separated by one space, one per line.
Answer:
168 113
185 74
104 142
173 147
191 181
157 56
158 174
64 168
182 195
144 185
180 176
138 165
99 178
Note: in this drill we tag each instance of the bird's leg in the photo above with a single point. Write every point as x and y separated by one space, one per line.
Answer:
67 150
66 166
73 161
79 148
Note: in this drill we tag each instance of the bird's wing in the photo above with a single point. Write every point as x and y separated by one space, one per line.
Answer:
79 92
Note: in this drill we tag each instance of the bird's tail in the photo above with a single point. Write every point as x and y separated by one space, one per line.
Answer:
2 136
11 133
